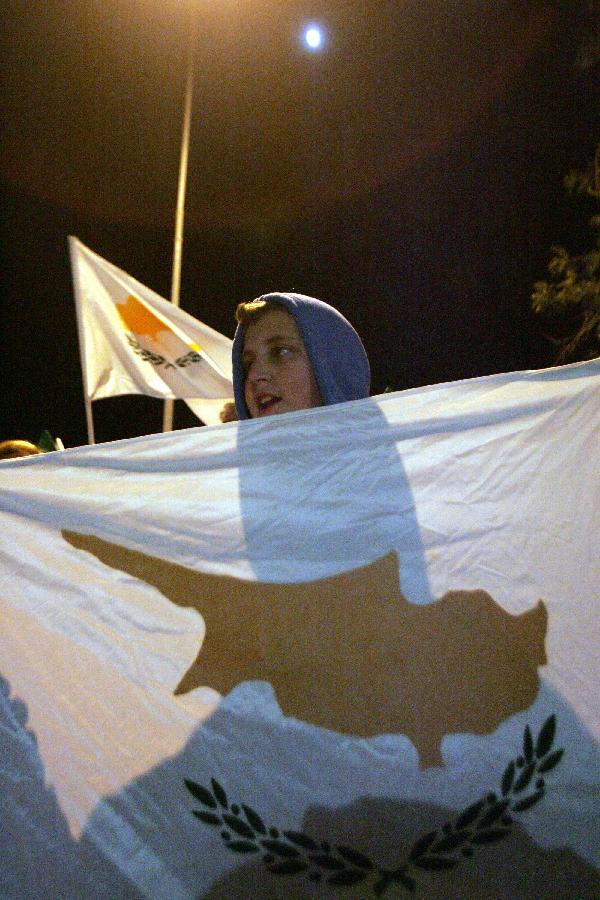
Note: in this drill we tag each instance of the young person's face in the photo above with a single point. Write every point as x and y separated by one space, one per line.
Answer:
278 373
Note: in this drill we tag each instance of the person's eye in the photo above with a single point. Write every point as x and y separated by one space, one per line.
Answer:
281 351
246 363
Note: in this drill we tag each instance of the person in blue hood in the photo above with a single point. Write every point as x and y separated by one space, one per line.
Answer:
294 352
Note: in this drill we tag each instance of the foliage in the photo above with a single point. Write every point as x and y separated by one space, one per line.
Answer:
573 290
47 443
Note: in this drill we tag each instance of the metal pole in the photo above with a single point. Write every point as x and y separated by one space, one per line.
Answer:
89 418
181 187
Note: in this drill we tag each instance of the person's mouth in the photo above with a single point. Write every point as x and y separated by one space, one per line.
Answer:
266 403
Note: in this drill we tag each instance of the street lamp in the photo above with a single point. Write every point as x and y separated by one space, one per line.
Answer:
182 181
313 37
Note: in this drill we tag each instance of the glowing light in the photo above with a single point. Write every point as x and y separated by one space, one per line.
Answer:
313 37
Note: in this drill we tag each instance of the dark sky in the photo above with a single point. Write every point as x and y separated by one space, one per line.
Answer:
410 174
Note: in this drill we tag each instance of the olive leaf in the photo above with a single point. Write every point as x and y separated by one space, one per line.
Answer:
219 793
470 814
303 840
347 878
508 777
545 737
527 744
254 820
279 848
354 857
200 793
551 761
242 847
238 826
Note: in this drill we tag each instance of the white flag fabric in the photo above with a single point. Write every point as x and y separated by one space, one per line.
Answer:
135 342
345 652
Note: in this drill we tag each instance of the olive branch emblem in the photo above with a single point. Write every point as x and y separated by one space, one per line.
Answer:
156 359
486 821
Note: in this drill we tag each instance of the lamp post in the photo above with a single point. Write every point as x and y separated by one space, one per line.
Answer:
182 182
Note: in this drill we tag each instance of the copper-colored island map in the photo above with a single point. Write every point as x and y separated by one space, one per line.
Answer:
350 653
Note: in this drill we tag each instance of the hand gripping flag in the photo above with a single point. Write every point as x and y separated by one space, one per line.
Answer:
347 652
132 341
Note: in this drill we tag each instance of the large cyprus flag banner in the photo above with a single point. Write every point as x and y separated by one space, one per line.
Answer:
344 652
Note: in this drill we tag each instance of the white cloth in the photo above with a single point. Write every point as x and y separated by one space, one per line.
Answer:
488 484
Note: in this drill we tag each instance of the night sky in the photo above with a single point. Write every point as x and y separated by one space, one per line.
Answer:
410 173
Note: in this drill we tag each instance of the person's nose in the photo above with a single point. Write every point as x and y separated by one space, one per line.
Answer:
258 371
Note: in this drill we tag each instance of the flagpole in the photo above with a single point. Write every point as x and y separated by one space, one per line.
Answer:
182 183
72 243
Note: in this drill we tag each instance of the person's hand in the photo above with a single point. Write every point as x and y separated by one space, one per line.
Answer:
228 412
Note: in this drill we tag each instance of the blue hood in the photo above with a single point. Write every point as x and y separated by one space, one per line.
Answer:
336 352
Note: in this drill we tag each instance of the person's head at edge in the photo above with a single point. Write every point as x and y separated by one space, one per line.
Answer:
294 352
13 449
